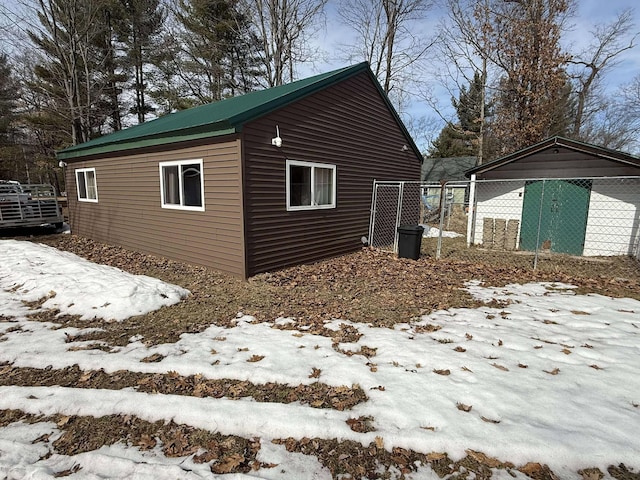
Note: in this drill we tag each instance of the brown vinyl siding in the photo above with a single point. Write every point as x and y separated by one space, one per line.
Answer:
566 163
348 125
129 212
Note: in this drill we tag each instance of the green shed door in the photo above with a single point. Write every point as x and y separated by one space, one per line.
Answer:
561 208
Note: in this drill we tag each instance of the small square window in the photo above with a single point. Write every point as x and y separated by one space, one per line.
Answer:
182 185
310 186
86 184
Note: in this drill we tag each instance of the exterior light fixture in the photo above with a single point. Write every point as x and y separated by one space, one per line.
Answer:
277 141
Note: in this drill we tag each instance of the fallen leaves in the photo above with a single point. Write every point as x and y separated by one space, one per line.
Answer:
228 453
69 471
317 394
500 367
555 371
362 424
156 357
428 328
480 457
537 471
591 474
442 372
228 464
463 407
489 420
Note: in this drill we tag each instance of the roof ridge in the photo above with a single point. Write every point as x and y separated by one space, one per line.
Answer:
215 118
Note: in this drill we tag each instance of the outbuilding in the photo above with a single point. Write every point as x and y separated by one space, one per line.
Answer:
249 184
561 196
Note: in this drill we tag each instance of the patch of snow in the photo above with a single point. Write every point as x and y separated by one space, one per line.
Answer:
31 272
550 376
433 232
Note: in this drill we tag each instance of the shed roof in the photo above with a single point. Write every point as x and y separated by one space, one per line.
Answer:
221 118
446 168
594 150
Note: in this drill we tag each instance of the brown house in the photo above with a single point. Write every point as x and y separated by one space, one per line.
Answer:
250 184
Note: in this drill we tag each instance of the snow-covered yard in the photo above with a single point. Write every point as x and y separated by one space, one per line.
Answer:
539 374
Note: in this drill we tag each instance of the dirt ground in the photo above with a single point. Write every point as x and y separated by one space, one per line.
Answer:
366 286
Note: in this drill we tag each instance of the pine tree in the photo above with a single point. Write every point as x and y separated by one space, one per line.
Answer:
462 138
219 49
71 63
7 99
140 27
7 115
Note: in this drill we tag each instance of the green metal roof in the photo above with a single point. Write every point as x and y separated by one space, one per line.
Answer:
218 118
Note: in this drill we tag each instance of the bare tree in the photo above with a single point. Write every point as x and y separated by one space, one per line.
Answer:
600 56
387 36
464 51
284 28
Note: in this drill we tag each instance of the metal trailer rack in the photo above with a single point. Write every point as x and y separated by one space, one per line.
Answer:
29 205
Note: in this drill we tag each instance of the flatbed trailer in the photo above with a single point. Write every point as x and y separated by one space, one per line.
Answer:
29 205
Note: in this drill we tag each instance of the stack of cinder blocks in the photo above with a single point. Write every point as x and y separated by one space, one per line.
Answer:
499 233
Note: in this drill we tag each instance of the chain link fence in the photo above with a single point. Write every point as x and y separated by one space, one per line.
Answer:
531 218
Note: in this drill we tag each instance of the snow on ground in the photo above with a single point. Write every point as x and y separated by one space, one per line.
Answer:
433 232
78 287
550 377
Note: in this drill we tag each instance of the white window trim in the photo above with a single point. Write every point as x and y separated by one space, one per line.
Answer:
179 163
86 189
313 165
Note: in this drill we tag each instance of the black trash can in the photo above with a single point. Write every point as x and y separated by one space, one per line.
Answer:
409 241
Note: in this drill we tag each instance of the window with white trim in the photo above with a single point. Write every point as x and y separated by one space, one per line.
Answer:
182 185
86 184
310 186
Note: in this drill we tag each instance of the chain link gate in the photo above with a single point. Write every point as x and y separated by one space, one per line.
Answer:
588 217
392 204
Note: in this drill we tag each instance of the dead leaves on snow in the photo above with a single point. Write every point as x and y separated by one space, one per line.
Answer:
317 395
225 453
231 454
348 459
362 424
500 367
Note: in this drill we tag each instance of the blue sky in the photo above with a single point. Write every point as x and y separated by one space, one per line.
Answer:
589 13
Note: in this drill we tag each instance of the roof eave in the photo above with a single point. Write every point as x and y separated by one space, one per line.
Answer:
141 143
602 152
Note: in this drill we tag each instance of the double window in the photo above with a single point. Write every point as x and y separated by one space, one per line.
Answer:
310 186
86 184
181 185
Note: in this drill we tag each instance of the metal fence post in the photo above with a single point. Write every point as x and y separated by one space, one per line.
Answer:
398 216
372 214
443 209
472 211
535 257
